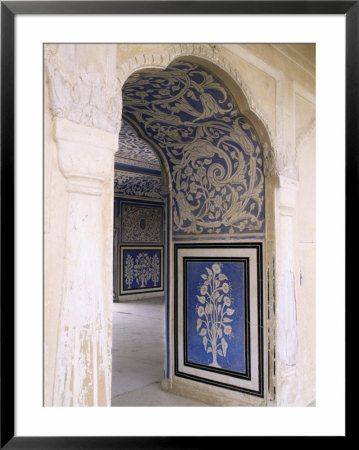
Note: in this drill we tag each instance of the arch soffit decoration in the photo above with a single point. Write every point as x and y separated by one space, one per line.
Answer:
208 56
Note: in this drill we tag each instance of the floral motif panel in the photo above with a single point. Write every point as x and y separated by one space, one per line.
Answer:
141 269
137 184
141 223
213 152
138 223
218 314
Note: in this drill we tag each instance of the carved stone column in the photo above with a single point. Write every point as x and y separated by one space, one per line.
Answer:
82 378
287 341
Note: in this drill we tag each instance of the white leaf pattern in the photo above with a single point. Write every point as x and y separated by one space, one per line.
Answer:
143 269
212 320
213 153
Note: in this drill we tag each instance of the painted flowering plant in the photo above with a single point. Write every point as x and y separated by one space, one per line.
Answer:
214 311
143 269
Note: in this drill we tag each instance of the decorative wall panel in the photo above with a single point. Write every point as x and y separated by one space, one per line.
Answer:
218 315
212 150
139 228
141 223
141 269
137 184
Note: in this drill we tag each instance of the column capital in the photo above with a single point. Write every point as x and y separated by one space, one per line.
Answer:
85 155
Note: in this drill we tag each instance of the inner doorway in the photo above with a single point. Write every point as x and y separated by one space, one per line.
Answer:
216 230
139 251
139 291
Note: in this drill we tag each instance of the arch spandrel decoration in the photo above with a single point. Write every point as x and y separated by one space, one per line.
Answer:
213 153
88 98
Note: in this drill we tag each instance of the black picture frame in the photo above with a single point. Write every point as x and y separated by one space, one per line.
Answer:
9 10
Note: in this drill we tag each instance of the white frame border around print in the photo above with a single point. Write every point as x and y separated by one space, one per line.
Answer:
34 420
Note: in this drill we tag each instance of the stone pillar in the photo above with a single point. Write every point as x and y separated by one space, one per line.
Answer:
286 319
83 365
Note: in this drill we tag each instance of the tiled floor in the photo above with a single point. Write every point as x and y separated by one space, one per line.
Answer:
138 355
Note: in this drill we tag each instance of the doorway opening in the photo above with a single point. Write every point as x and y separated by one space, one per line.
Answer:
213 230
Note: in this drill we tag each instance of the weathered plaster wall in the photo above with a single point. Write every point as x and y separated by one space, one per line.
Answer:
55 206
305 236
79 146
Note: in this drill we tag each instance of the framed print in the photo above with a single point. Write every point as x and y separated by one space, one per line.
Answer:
218 299
141 269
251 108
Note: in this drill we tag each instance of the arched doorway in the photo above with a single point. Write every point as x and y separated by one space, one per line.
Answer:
216 226
85 134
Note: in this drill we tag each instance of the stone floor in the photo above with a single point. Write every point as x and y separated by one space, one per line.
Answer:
138 355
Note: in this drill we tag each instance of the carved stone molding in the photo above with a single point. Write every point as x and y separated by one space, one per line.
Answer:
211 53
85 156
82 95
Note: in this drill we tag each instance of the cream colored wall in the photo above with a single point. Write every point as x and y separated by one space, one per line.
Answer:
280 87
55 217
305 248
55 207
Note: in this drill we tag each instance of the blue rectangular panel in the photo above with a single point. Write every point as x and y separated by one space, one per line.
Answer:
215 311
141 269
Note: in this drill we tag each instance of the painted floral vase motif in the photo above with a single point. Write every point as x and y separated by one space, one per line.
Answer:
214 311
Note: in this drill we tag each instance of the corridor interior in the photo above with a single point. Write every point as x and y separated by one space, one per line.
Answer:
138 355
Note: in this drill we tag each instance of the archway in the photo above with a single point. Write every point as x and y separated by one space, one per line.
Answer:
195 122
86 106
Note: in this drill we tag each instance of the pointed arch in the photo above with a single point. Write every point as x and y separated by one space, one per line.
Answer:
209 58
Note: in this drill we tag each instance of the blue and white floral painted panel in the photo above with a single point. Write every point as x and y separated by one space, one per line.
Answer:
218 315
138 223
213 152
141 223
141 269
137 184
216 321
